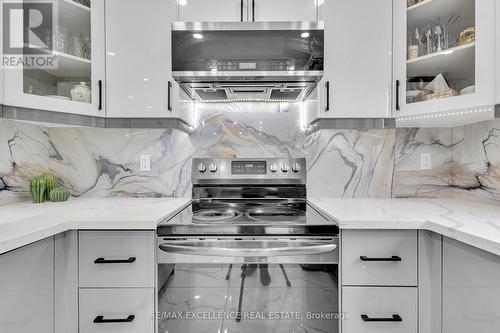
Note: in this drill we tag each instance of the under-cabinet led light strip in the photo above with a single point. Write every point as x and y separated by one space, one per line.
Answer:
445 114
247 100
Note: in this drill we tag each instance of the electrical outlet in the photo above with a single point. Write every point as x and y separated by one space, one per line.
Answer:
145 164
425 161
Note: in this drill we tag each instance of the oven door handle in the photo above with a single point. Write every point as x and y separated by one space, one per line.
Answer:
242 248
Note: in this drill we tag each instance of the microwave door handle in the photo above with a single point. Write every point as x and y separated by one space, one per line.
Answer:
192 248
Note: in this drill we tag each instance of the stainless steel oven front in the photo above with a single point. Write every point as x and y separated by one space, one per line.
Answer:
248 284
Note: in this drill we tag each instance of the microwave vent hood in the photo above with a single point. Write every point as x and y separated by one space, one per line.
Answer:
247 61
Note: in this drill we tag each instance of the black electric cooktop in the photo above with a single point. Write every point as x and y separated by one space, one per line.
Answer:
248 217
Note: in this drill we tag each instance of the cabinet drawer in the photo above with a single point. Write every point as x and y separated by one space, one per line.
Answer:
379 257
116 258
100 307
381 308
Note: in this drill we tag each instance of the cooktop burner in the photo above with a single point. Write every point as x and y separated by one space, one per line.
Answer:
214 215
276 214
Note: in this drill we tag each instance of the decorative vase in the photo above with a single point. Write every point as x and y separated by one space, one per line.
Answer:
51 182
81 93
38 187
59 194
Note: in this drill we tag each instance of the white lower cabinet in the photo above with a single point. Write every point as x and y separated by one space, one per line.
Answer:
379 257
379 281
116 281
27 289
116 310
112 259
471 289
379 309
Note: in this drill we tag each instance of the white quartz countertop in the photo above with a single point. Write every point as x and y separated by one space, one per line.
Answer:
25 223
472 223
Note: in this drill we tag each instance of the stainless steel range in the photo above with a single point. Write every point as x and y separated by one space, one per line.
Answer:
249 254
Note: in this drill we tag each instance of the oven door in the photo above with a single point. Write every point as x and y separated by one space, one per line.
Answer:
248 285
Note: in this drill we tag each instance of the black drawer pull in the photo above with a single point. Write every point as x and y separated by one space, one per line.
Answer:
119 261
101 320
393 258
395 318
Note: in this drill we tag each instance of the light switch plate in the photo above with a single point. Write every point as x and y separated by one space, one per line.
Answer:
425 161
145 163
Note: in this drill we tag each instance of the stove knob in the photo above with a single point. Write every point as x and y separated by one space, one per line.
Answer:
296 167
212 167
202 167
273 167
285 167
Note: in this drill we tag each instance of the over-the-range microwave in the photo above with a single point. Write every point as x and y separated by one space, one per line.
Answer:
220 61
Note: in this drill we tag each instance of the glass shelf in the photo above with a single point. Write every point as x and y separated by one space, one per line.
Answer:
441 49
72 49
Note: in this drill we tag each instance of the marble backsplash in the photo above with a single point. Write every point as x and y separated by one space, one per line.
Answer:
476 161
341 163
24 154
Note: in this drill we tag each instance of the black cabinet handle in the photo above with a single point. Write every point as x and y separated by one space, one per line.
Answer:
101 320
119 261
169 104
327 86
241 12
393 258
99 86
253 10
397 94
395 318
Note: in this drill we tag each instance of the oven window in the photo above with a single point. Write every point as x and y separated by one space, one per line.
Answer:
253 298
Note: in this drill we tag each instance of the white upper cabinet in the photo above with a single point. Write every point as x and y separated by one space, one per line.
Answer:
1 53
75 81
358 60
139 80
212 10
497 52
283 10
443 59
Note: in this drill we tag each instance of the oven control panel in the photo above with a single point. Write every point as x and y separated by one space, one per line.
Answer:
248 167
241 170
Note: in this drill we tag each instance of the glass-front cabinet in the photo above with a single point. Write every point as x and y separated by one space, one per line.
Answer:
443 56
66 41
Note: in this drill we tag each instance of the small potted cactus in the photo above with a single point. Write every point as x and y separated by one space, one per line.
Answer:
59 194
38 188
45 187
